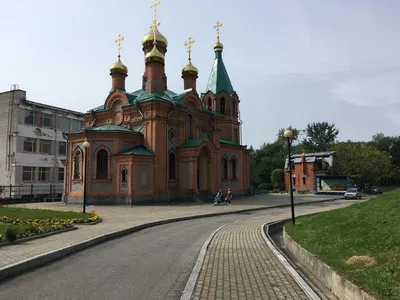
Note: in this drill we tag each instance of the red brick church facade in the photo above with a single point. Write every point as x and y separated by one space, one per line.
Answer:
155 143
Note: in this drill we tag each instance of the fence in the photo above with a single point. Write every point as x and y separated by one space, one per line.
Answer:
30 193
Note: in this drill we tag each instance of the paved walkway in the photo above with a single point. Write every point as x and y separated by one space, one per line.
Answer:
239 265
120 217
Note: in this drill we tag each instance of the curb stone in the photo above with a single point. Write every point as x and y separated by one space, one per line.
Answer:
191 283
43 259
37 236
299 280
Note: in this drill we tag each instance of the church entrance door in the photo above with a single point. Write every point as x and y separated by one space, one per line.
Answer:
204 175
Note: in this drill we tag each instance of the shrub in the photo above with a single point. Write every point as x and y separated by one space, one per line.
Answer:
277 178
265 187
11 233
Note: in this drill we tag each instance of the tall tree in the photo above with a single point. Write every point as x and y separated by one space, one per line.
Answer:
321 136
362 163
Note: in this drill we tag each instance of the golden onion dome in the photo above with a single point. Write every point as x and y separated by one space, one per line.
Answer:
155 55
149 38
189 69
218 46
118 67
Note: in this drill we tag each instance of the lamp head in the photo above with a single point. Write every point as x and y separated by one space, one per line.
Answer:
288 134
86 144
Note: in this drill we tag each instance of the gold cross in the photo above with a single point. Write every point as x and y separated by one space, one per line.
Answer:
188 45
118 41
153 28
217 27
154 7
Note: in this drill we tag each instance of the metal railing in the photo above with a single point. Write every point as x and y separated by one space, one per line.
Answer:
30 193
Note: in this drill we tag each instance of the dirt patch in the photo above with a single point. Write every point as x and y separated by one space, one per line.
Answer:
361 259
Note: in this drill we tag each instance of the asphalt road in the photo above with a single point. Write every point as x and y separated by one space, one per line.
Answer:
154 263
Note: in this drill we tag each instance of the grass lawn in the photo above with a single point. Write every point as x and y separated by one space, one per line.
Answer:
370 229
40 214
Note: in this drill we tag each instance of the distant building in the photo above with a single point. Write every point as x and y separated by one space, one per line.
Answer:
316 172
33 143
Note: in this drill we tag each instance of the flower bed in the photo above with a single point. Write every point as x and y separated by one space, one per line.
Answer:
13 228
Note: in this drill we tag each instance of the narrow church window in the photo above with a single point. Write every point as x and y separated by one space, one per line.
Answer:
77 164
171 165
209 104
124 174
222 105
224 168
102 164
304 180
190 127
233 168
294 180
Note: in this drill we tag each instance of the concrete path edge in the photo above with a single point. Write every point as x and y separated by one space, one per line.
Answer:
299 280
46 258
191 283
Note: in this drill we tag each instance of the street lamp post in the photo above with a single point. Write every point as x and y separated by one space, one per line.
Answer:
86 145
289 135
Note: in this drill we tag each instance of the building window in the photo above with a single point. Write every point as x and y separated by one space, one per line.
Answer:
102 164
77 125
233 168
30 145
62 148
171 165
63 124
190 127
225 168
124 175
44 174
45 120
304 180
60 174
31 117
45 146
294 180
209 104
77 163
222 105
28 174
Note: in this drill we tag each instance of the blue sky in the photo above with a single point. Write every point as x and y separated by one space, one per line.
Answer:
292 62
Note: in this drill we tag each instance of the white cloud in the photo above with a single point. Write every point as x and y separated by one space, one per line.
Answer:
371 91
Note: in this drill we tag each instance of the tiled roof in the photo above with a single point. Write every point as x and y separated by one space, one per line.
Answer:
219 79
137 150
108 128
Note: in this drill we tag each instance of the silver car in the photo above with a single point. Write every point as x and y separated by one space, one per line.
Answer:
352 193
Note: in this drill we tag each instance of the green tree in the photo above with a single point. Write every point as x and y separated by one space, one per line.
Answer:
277 178
363 163
321 136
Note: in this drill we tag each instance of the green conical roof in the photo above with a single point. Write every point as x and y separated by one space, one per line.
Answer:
219 80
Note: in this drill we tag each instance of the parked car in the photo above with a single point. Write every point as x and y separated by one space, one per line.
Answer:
375 190
352 193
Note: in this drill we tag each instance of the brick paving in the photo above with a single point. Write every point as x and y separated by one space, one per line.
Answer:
120 217
239 265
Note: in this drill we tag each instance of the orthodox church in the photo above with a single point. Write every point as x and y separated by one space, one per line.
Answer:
154 143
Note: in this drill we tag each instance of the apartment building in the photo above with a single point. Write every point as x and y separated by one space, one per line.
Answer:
33 144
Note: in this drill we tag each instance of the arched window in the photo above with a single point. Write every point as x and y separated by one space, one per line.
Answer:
171 165
189 127
102 164
304 180
209 103
222 105
225 168
233 168
124 175
77 164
